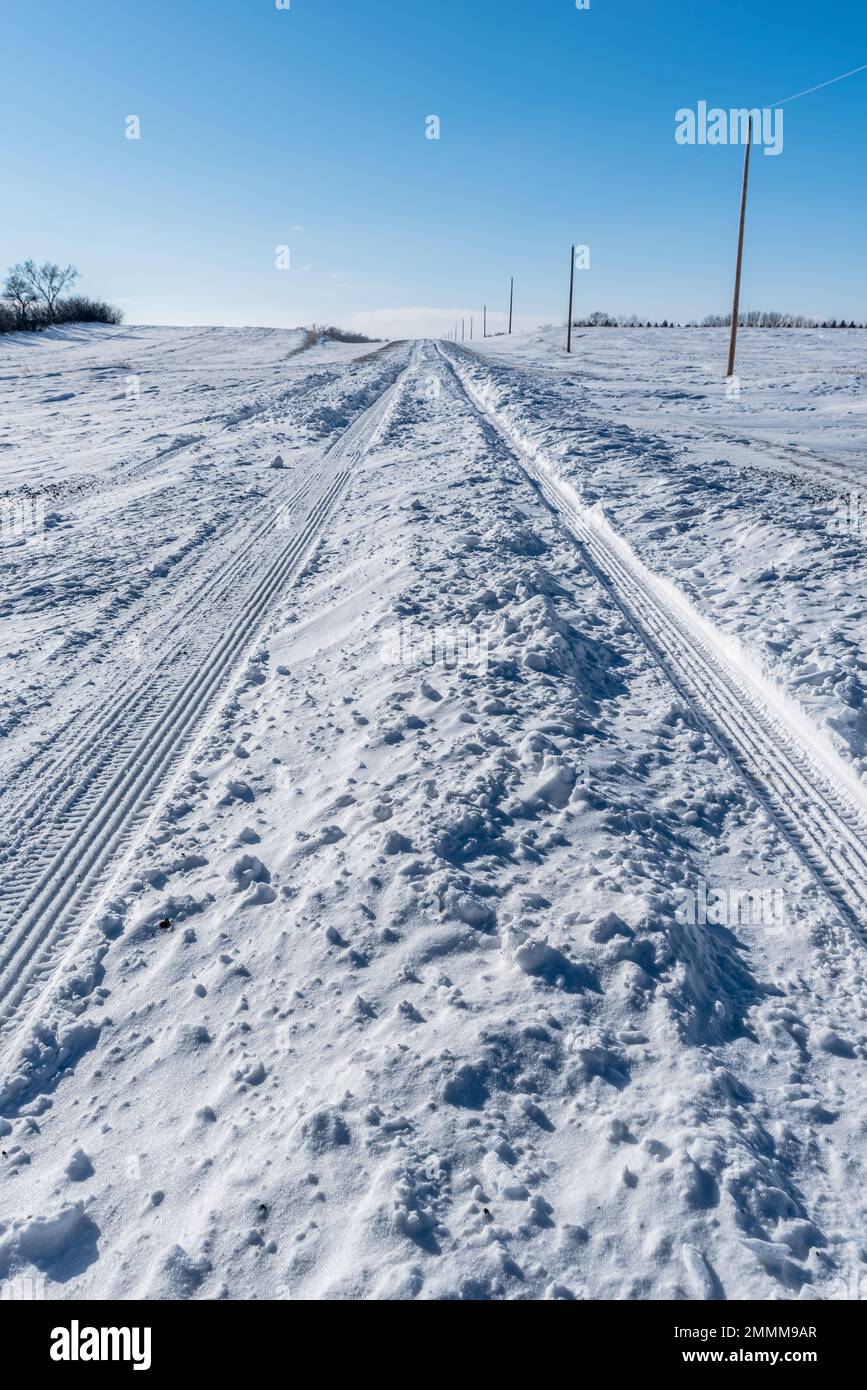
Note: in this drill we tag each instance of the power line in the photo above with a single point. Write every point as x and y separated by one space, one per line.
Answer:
818 88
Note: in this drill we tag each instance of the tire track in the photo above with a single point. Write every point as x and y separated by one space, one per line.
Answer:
275 398
54 906
151 688
796 780
142 697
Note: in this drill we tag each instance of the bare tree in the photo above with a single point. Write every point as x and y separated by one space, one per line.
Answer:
18 289
47 281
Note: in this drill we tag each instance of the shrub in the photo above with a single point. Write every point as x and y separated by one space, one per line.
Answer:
342 335
38 316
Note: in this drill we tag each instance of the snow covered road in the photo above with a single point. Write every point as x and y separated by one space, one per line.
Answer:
360 821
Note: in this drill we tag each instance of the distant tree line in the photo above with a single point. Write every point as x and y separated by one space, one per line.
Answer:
771 318
37 296
748 318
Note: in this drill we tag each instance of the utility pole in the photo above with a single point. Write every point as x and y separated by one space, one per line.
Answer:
511 301
737 298
571 290
471 328
485 322
463 335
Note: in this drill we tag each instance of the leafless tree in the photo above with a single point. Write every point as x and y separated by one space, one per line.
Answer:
47 281
20 292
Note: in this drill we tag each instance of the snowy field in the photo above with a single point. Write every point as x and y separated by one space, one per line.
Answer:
434 816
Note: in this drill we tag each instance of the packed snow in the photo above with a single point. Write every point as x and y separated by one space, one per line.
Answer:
434 816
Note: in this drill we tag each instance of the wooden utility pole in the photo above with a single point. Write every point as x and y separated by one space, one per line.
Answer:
571 290
471 327
511 301
737 299
485 321
463 333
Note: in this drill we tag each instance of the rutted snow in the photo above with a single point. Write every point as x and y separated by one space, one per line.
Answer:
738 500
426 1020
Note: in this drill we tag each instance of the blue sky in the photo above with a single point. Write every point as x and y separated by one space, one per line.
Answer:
305 127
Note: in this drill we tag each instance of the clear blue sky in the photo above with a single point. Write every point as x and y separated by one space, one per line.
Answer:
306 127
